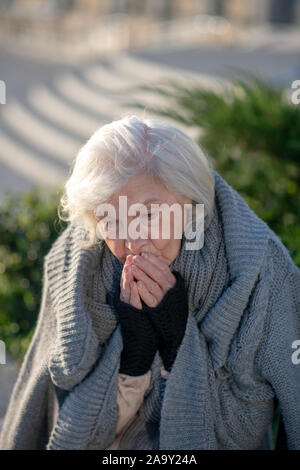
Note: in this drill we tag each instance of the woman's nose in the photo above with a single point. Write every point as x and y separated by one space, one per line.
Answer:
135 246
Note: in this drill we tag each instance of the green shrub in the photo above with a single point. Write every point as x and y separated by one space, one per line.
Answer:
28 226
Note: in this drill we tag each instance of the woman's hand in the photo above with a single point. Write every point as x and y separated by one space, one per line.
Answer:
154 279
129 292
165 296
166 302
140 342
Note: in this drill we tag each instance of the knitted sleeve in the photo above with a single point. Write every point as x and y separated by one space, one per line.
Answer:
139 338
278 357
227 396
221 409
25 426
263 361
169 319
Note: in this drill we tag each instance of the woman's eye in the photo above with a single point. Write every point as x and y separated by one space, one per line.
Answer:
152 215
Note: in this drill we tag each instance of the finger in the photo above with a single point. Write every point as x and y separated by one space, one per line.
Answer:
125 285
161 265
128 273
150 285
125 294
160 275
134 296
147 297
154 259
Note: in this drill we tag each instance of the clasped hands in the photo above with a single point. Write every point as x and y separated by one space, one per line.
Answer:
145 268
152 311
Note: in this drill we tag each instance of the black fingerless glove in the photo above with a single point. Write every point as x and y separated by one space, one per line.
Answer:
140 341
169 319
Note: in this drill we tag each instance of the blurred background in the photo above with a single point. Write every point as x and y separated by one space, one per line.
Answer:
223 71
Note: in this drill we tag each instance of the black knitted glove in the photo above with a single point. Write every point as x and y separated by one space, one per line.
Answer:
140 341
169 319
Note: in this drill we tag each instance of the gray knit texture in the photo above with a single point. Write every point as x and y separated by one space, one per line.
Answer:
244 314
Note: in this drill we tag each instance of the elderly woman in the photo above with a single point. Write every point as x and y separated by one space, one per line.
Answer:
151 342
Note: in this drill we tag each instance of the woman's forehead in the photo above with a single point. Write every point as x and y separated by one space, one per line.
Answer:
117 201
142 192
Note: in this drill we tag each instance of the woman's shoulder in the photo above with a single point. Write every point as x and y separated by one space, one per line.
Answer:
282 274
281 260
65 246
62 240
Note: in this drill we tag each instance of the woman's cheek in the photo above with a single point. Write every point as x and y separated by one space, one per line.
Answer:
168 249
164 249
160 244
117 247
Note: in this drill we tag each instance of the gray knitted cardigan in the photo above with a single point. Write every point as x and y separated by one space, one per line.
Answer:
236 354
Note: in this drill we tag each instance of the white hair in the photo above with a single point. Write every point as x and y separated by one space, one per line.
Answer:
122 149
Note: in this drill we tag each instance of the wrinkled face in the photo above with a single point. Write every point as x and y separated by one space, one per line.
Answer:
144 189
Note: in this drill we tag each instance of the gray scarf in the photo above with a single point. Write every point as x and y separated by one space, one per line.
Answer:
85 357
